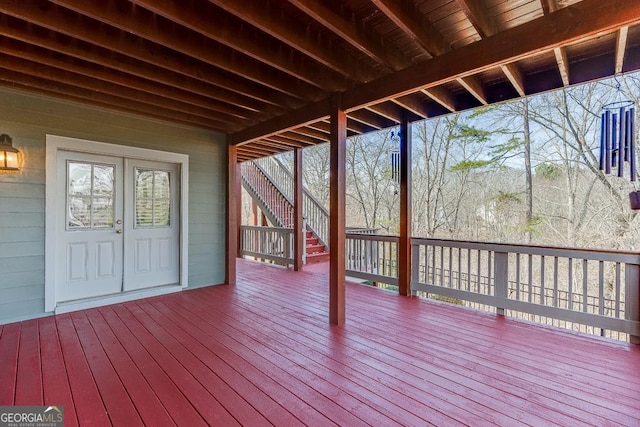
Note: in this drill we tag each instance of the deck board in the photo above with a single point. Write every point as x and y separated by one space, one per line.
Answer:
263 353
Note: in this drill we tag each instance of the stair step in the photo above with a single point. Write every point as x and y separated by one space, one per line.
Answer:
309 234
312 249
312 241
318 257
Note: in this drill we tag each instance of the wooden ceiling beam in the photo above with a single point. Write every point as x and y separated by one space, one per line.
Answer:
144 24
414 103
291 141
39 56
286 146
579 21
43 72
359 127
301 117
477 15
301 37
234 33
442 96
549 6
475 87
256 148
355 35
305 140
621 47
563 64
514 75
312 132
406 16
112 102
58 21
371 118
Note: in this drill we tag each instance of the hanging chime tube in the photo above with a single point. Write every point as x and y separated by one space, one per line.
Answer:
607 142
621 142
613 130
602 141
632 142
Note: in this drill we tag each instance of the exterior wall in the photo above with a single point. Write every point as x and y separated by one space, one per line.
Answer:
27 118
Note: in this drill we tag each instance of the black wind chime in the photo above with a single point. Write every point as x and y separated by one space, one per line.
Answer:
395 159
617 141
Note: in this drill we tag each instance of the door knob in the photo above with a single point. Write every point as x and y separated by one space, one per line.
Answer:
119 231
119 222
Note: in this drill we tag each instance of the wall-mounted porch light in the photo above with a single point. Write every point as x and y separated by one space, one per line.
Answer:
8 154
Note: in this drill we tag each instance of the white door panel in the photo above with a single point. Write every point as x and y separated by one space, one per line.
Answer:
90 249
152 226
120 229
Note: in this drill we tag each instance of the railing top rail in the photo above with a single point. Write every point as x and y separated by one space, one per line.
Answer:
373 237
304 190
580 253
262 228
272 182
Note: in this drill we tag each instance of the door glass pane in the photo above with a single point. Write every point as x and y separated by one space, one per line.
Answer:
153 198
90 195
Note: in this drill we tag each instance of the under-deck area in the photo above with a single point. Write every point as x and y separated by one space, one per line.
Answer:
263 353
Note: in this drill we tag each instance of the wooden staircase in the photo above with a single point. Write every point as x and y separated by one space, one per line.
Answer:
270 185
316 251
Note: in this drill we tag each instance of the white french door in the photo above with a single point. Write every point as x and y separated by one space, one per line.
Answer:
120 227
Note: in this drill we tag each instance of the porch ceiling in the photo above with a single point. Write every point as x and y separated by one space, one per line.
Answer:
265 72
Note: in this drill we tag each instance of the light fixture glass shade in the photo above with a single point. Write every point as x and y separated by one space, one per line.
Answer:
8 154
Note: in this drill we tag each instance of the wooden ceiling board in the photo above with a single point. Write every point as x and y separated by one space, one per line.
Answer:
244 67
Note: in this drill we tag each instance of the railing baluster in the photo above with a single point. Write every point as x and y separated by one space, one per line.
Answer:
555 281
543 299
585 286
617 297
518 277
601 288
570 284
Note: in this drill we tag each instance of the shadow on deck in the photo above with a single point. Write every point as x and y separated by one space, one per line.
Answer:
262 353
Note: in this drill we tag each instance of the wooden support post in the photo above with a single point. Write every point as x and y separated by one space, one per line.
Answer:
501 278
632 297
338 138
233 228
404 246
254 212
298 221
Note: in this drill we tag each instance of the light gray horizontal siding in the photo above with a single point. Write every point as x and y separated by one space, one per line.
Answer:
28 118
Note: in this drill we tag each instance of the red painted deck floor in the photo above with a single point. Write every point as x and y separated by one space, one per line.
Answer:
262 353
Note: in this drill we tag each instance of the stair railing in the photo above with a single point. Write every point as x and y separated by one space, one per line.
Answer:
316 214
272 200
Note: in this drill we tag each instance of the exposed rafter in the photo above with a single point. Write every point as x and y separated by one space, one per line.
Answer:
405 16
563 64
621 47
475 87
442 96
265 72
353 34
479 18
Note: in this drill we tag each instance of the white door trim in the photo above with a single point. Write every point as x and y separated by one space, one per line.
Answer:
55 143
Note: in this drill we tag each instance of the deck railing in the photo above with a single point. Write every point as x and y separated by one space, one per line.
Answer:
316 214
273 202
270 243
372 257
584 287
586 290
